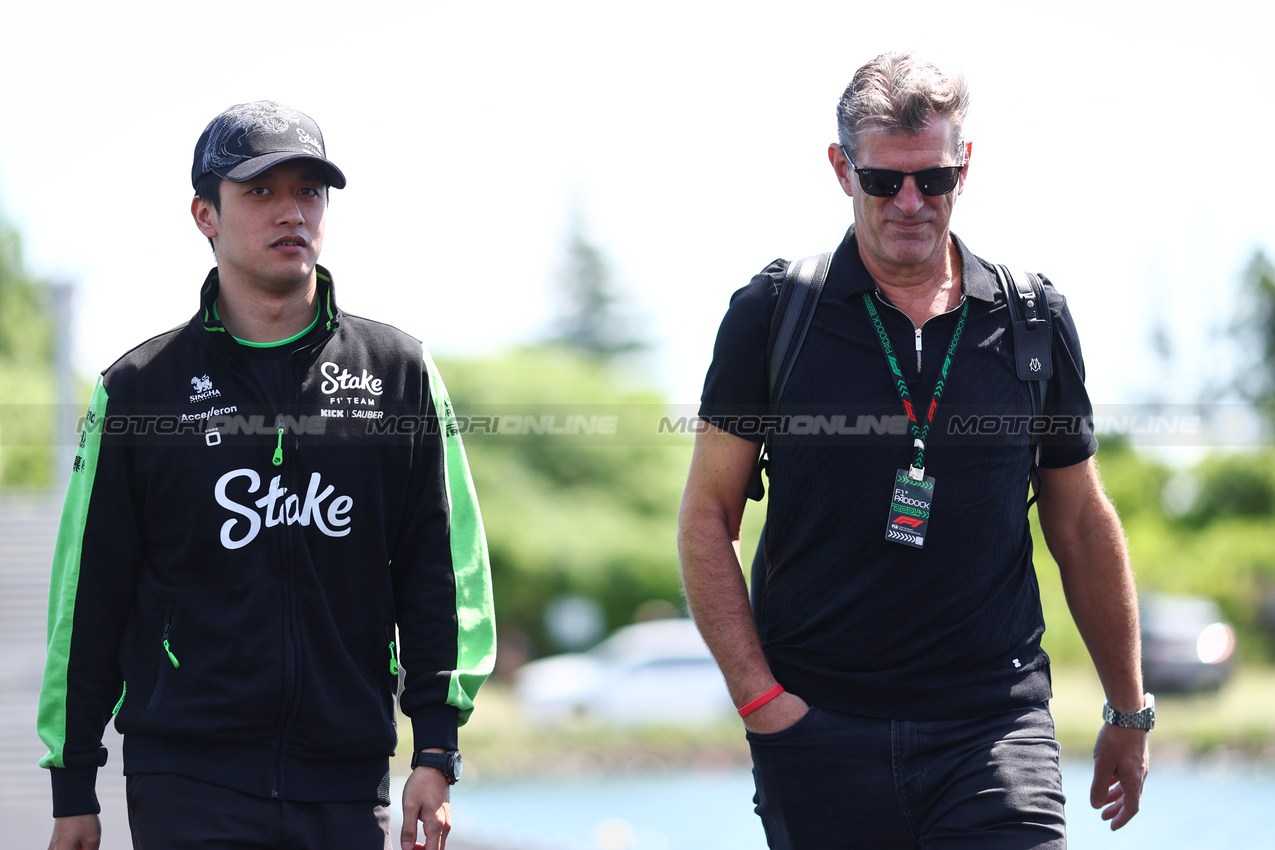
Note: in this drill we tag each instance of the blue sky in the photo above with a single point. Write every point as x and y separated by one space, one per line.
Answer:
1113 150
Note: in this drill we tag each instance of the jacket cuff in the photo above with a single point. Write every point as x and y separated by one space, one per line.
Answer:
434 726
74 791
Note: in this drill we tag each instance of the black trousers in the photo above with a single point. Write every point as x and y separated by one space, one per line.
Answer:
170 812
834 781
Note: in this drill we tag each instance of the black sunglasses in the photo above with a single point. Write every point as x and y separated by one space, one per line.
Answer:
884 183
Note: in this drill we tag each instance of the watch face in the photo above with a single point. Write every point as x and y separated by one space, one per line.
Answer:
457 766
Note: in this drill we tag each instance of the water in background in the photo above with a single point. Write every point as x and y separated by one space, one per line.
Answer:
1202 807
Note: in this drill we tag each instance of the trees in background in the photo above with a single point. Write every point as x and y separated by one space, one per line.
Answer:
26 371
1204 530
579 492
1254 331
592 322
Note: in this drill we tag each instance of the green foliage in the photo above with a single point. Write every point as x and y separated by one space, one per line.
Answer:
1220 545
26 327
594 515
1254 330
26 371
1232 486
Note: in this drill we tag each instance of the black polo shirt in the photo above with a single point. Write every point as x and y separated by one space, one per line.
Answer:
849 620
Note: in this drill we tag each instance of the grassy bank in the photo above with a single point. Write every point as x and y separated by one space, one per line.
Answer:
500 744
1239 718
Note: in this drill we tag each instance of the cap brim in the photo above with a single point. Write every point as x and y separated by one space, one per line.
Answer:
250 168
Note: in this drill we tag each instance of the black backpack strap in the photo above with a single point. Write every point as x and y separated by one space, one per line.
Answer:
798 296
1033 343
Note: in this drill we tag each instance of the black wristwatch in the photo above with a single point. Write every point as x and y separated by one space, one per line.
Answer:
449 763
1143 718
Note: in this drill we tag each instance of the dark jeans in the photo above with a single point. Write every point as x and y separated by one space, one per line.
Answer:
170 812
842 781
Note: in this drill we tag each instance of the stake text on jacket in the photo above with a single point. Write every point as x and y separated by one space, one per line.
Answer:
279 507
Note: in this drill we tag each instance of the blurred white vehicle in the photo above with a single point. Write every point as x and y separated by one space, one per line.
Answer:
654 673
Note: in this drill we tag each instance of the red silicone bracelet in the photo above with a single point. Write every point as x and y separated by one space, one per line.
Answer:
761 700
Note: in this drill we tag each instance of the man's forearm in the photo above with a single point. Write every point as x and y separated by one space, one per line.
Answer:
1098 582
718 600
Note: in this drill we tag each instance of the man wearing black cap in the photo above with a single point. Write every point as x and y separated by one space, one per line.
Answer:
269 525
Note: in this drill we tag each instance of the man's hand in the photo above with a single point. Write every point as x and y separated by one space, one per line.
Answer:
427 800
80 832
776 715
1120 765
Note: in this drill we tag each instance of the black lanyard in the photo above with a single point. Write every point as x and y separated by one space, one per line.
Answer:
919 431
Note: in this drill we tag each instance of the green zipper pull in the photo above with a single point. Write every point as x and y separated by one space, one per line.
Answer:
393 660
278 449
171 657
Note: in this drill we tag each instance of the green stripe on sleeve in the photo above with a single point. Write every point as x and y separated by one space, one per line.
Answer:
475 611
51 719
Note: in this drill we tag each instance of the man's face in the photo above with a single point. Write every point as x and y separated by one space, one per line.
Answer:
907 234
270 229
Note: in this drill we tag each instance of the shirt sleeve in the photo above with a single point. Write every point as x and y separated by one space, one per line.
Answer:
90 591
442 579
735 391
1071 438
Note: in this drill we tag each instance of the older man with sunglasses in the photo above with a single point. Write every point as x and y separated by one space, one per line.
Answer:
889 668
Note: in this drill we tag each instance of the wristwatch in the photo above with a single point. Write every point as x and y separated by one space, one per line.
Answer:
1143 718
449 763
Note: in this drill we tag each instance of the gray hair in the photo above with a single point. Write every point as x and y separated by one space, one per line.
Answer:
899 93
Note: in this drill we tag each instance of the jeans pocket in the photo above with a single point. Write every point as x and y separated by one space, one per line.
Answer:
803 723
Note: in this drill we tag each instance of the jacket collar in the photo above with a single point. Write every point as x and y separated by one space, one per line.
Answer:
329 314
848 276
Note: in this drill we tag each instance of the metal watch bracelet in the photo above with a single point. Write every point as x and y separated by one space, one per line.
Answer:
1143 718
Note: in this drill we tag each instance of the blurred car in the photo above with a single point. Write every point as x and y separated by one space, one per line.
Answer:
657 672
1186 645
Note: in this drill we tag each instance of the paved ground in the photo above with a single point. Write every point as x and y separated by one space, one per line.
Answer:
28 527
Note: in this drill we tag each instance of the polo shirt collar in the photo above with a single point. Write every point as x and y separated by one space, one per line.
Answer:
848 276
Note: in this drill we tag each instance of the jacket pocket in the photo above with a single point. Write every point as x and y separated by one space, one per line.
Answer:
167 659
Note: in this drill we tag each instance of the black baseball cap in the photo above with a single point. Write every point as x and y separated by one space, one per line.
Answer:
248 138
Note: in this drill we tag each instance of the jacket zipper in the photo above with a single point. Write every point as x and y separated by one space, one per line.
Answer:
291 696
395 667
277 460
393 658
168 625
163 667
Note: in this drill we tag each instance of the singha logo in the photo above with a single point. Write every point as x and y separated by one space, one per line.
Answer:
203 389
